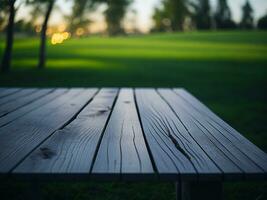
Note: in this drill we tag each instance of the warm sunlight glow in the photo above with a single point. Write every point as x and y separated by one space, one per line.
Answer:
58 38
38 29
49 31
65 35
79 31
62 27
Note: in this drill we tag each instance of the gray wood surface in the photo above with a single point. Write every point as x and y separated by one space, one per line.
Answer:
19 102
126 134
8 91
30 107
229 137
170 150
122 149
72 149
23 135
16 95
221 151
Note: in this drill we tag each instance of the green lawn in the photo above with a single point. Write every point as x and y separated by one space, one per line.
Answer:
226 70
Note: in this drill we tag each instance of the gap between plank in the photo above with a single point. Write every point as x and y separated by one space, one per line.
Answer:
147 146
33 100
32 92
19 89
32 109
103 131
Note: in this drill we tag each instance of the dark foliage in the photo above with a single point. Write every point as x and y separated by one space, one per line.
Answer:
171 16
247 16
6 60
223 16
201 14
79 17
262 23
3 13
114 15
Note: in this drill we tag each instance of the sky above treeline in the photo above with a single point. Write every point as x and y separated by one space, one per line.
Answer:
144 10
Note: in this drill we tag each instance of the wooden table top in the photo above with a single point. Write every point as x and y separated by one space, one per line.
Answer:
120 134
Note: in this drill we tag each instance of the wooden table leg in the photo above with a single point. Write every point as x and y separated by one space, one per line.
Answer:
208 190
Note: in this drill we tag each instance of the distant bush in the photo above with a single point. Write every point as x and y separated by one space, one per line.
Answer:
262 23
227 24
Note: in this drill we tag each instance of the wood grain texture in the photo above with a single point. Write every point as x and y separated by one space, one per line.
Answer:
8 91
21 136
174 152
19 102
128 134
230 138
123 149
72 149
232 162
16 95
30 107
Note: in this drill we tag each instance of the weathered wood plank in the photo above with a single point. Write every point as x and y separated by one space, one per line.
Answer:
16 95
56 133
225 132
30 107
72 149
122 149
220 150
19 102
8 91
21 136
172 153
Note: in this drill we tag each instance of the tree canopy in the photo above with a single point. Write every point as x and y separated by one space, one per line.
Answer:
79 16
201 14
3 13
114 14
171 15
262 23
223 16
247 16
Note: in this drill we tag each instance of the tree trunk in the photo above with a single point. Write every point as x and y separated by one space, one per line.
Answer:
9 38
42 53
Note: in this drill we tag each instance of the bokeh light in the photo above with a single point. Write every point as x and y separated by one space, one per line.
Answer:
79 31
58 38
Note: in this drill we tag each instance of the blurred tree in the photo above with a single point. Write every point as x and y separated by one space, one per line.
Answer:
19 26
78 17
161 20
3 15
201 14
247 17
37 11
24 27
223 17
171 15
42 51
114 14
8 5
262 23
48 6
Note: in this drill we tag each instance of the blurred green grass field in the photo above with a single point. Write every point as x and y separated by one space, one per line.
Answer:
225 70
